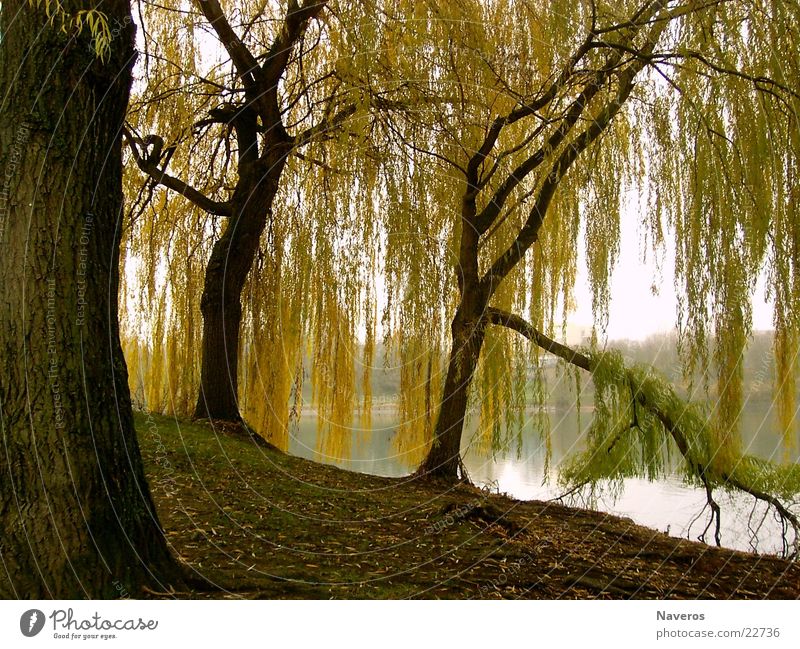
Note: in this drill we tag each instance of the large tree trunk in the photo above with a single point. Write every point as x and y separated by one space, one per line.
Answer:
221 304
77 516
444 458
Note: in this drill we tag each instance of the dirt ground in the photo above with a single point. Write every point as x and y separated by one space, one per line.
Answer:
261 524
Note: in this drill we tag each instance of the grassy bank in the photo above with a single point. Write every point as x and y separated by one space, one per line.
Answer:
262 524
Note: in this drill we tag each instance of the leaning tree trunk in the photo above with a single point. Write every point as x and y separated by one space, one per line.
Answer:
77 516
467 330
444 457
221 304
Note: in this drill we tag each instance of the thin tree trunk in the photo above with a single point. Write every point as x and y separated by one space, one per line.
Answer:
444 458
221 304
467 333
221 307
77 516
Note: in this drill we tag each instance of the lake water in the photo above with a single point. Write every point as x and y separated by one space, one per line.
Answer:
667 505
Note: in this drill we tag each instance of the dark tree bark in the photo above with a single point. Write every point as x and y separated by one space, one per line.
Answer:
77 516
467 332
221 304
444 457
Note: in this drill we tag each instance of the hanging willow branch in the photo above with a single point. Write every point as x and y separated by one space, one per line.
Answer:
710 465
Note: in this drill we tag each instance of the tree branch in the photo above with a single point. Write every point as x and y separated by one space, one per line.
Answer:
529 233
324 127
295 23
522 111
699 468
506 319
276 60
246 65
484 220
149 165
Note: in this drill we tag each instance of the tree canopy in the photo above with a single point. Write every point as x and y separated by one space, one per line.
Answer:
217 128
488 142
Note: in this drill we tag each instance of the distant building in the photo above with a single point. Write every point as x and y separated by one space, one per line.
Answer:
578 335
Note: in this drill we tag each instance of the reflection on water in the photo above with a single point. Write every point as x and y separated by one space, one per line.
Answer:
667 505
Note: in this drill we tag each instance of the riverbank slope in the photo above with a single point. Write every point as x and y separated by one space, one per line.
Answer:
262 524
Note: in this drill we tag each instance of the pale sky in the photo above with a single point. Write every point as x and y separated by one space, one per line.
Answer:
635 312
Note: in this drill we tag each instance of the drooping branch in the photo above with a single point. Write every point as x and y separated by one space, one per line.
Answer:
529 233
332 121
150 165
760 82
488 215
504 318
700 468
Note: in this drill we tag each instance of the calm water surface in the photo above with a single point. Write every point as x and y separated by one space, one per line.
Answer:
667 505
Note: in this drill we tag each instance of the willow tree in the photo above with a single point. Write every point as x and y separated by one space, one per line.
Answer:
230 128
558 110
77 516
